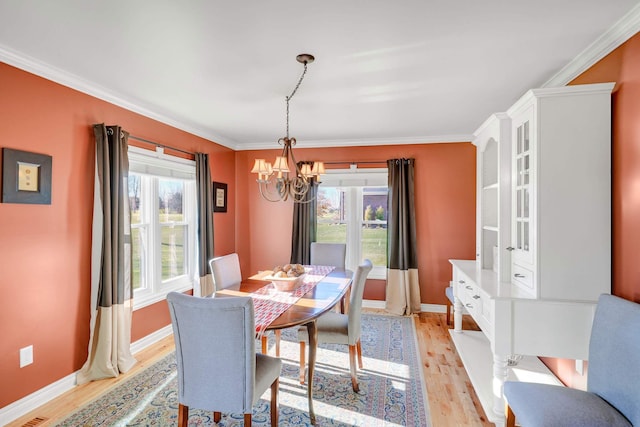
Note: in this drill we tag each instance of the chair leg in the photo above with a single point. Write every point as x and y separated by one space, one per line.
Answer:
359 349
217 416
352 366
277 333
274 402
265 347
303 362
247 420
511 417
183 415
448 313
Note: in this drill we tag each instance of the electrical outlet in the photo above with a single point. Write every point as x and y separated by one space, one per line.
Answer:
580 367
26 356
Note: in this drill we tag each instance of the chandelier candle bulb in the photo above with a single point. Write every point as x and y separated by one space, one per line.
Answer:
306 170
280 164
318 168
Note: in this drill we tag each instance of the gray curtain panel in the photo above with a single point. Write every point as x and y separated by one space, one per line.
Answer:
305 225
205 223
403 289
111 289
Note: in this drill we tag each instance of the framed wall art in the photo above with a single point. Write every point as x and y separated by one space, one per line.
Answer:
26 177
219 197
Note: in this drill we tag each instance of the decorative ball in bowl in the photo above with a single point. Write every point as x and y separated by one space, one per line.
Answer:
287 277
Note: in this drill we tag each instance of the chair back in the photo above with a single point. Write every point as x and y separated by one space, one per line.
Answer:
355 301
614 355
226 271
328 254
215 351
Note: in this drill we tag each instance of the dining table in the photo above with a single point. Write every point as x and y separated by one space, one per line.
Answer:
322 289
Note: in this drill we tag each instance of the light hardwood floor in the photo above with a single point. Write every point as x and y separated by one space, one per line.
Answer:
452 400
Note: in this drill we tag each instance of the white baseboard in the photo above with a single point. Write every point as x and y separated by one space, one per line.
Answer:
150 339
35 399
38 398
427 308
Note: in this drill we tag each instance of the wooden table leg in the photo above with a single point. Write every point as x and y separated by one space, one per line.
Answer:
312 331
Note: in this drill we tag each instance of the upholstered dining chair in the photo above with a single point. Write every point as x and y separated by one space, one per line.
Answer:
226 272
337 328
328 254
333 254
612 397
218 367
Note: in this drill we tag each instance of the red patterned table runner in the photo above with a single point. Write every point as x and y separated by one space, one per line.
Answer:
269 303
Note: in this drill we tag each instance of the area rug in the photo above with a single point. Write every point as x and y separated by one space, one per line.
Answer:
392 390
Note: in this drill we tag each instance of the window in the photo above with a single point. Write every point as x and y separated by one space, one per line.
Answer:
162 200
352 209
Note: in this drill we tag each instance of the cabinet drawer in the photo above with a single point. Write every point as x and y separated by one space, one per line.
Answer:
522 277
460 286
470 298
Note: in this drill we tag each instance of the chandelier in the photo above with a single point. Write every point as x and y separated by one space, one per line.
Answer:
276 181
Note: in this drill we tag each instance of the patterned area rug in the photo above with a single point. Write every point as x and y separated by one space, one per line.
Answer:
392 391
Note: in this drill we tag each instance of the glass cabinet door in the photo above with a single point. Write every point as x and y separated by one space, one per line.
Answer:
522 213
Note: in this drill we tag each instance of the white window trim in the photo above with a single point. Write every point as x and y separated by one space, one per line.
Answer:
156 163
354 177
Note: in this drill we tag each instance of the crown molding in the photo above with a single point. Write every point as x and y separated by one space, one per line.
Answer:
619 33
41 69
446 139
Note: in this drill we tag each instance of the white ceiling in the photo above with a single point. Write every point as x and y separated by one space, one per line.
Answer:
386 71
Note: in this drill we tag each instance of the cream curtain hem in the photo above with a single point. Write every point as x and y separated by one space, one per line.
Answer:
109 357
403 292
205 288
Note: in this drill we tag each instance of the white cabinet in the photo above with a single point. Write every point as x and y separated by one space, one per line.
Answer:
493 142
544 200
522 188
561 192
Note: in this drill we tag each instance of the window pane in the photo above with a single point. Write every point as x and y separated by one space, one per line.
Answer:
332 215
173 238
172 234
134 197
138 253
374 243
170 193
138 235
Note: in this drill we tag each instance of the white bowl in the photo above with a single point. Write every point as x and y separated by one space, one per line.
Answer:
286 283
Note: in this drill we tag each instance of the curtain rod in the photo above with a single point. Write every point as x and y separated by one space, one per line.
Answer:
137 138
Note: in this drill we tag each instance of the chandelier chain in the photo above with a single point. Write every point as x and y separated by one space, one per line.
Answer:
288 98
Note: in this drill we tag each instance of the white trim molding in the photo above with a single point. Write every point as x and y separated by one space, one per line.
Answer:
619 33
65 78
38 398
425 308
439 139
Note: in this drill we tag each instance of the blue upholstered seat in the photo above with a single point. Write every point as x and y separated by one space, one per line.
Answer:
613 384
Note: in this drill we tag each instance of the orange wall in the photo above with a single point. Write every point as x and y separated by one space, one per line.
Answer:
445 210
45 249
623 67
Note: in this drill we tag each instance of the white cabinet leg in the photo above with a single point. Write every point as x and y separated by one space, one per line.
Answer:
499 377
457 314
